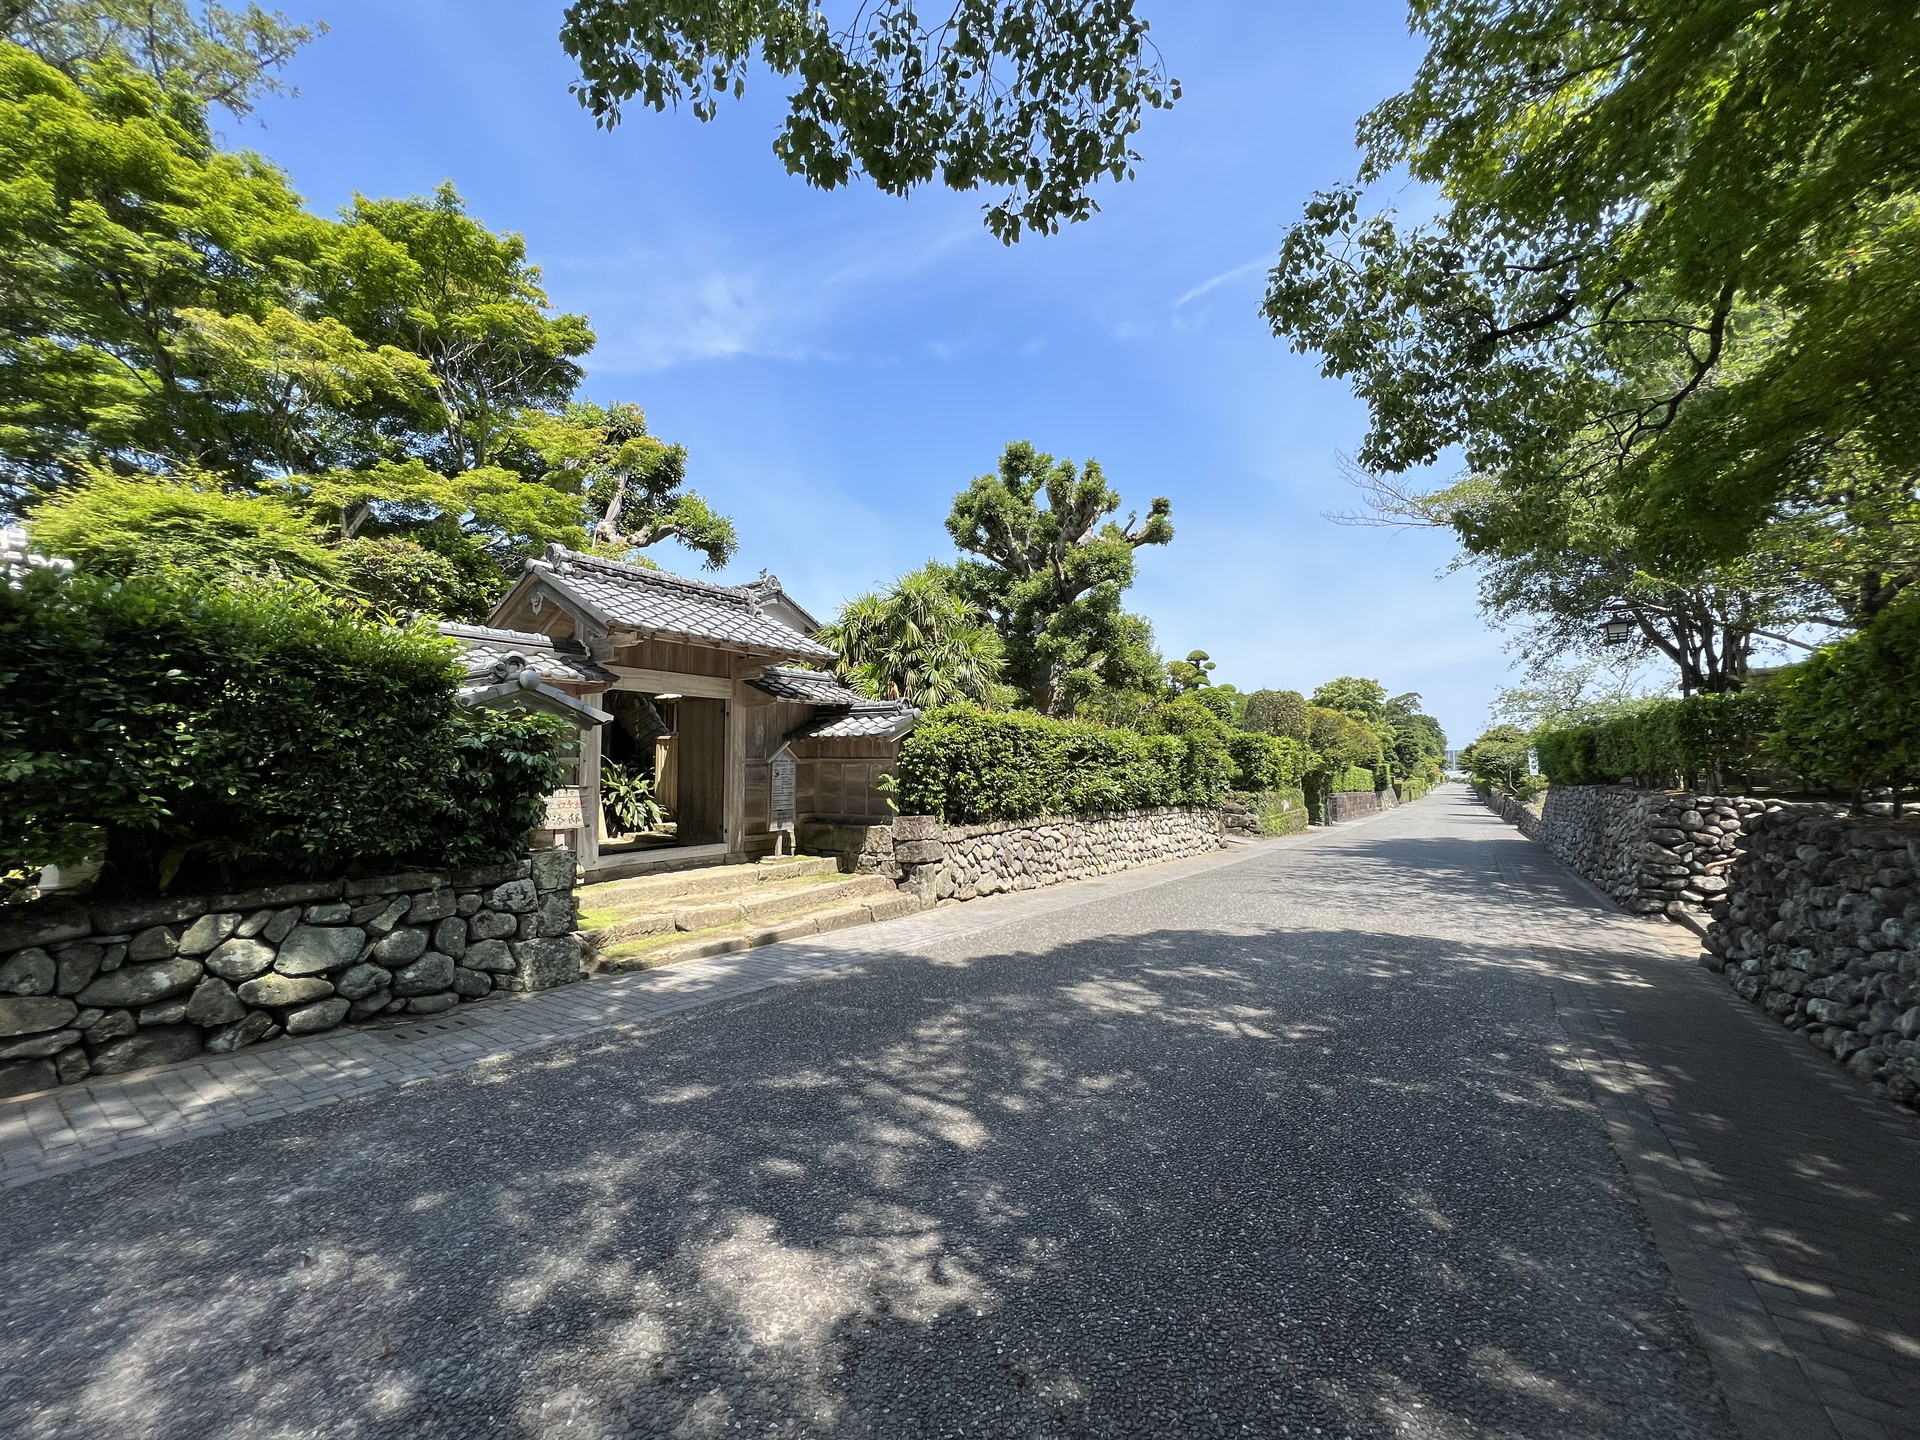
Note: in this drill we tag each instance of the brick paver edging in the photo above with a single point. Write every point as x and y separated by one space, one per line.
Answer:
95 1122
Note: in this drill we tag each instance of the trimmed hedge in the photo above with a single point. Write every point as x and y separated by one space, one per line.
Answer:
1849 716
1659 743
1353 778
969 766
248 736
1267 762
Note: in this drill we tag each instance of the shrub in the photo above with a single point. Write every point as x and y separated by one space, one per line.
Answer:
1353 778
1849 716
1277 712
1267 762
1282 811
1342 741
1712 738
252 735
968 765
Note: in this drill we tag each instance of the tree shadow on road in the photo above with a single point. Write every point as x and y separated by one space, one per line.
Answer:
1247 1178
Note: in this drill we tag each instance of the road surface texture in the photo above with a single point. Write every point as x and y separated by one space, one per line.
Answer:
1399 1132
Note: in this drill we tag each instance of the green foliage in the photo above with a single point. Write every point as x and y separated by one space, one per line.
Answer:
254 734
434 570
1849 718
919 641
1350 695
627 797
1268 762
1354 778
967 765
1341 741
1499 757
1277 712
1282 811
1038 99
1714 740
1051 576
215 55
121 526
1416 745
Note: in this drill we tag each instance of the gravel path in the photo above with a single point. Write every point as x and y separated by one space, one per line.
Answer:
1295 1146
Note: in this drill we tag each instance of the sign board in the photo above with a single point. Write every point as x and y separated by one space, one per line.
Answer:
781 772
564 810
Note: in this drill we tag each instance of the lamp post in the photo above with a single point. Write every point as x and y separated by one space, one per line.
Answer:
1618 627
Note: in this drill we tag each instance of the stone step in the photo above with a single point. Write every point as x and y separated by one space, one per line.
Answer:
636 920
659 890
667 949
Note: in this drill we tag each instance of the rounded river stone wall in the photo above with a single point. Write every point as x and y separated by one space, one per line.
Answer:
112 988
1821 929
963 862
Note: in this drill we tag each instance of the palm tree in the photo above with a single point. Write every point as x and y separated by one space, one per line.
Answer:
919 642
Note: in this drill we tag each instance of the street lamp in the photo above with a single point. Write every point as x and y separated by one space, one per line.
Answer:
1619 627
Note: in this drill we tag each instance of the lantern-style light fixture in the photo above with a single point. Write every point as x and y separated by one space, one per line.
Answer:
1619 627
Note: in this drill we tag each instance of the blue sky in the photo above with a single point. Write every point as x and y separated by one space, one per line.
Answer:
840 364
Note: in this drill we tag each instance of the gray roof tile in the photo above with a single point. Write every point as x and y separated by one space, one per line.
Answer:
675 607
868 721
808 687
557 659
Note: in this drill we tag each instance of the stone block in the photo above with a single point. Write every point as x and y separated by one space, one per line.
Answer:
330 912
155 1045
29 972
72 1065
208 932
544 963
110 1026
554 870
156 942
491 925
467 905
38 1047
406 881
490 955
46 928
142 984
272 896
241 959
367 1006
471 984
275 990
281 926
111 919
25 1077
75 966
214 1002
918 852
431 972
316 949
164 1012
477 877
431 1004
516 897
434 905
361 981
915 828
402 947
248 1030
450 936
322 1015
557 914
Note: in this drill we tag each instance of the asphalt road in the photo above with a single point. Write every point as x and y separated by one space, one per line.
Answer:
1285 1147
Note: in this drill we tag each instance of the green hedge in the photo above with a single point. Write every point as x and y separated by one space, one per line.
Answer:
1267 762
1282 810
968 766
248 737
1703 739
1354 777
1849 717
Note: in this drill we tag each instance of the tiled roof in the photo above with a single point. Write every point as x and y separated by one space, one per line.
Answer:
808 687
482 646
873 719
674 606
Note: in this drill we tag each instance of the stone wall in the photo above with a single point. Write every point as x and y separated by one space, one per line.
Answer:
111 988
1820 927
962 862
1351 805
1652 851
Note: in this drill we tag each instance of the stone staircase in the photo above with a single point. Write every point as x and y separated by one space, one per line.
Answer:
654 920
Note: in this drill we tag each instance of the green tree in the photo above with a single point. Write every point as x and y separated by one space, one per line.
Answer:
1417 745
214 55
1277 712
1676 263
1052 570
918 641
1363 699
1037 98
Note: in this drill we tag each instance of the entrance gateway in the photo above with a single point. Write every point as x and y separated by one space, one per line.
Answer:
708 728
